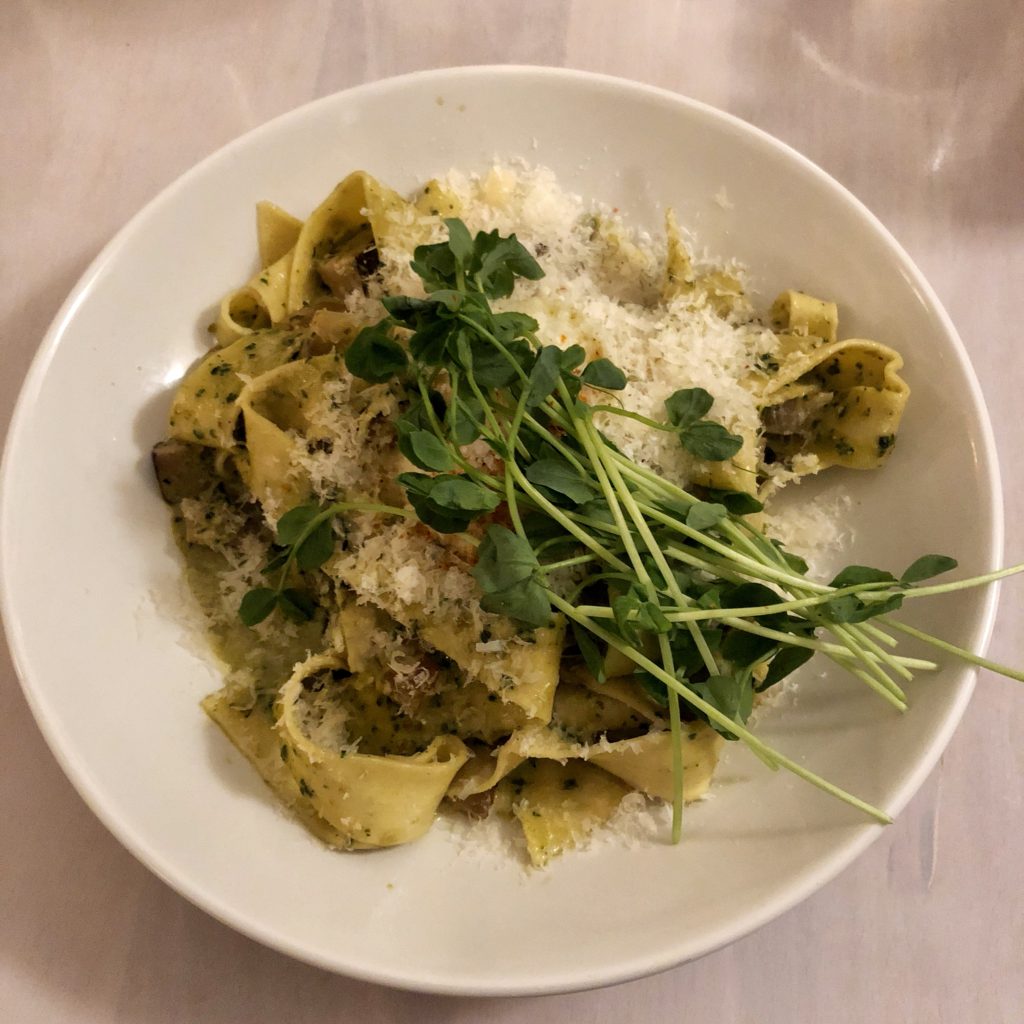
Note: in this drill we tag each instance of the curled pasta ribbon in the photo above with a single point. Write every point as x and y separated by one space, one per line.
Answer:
205 409
252 731
263 301
276 232
372 800
841 402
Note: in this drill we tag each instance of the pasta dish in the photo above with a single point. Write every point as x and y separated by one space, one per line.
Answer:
474 491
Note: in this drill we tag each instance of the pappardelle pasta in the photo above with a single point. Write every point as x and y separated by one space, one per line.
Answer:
452 566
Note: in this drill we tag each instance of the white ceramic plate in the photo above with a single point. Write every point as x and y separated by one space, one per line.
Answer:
115 683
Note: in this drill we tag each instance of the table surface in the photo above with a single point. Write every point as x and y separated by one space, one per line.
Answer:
918 107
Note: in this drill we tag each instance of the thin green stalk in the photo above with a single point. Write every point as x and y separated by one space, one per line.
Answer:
640 659
960 652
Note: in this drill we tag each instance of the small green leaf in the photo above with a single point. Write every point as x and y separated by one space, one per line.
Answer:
591 653
703 515
710 442
624 608
294 522
297 605
788 660
572 357
654 688
652 618
544 376
743 649
460 241
688 405
374 355
433 341
926 567
435 265
462 494
492 368
558 475
603 373
732 695
406 310
739 503
275 563
507 327
316 548
524 601
497 262
257 604
504 560
853 575
422 448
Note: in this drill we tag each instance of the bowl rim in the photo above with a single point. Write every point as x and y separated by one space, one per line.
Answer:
209 902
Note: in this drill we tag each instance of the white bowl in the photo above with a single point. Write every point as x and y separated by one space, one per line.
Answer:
91 589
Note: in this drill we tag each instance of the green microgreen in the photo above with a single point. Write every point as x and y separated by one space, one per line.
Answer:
709 610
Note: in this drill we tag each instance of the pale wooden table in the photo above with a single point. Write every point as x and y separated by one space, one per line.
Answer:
917 106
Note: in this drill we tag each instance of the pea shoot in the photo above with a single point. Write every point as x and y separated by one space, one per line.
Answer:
710 611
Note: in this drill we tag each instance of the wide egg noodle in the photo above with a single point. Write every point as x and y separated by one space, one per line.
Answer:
373 800
277 231
841 401
559 805
345 224
253 733
260 303
204 408
272 412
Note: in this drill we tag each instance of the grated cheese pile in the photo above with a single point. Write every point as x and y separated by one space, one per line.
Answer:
601 290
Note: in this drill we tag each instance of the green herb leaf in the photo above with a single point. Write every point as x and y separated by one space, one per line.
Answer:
257 605
558 475
497 262
926 567
504 559
544 376
603 373
688 405
460 493
739 503
507 327
297 605
294 522
654 688
459 240
710 442
435 265
703 515
526 602
433 341
733 695
316 548
374 355
853 575
591 653
422 448
788 660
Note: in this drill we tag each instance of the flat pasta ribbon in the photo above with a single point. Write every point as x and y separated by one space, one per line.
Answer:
372 800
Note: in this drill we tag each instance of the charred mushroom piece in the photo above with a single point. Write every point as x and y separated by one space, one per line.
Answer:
340 275
794 416
183 470
475 807
368 262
